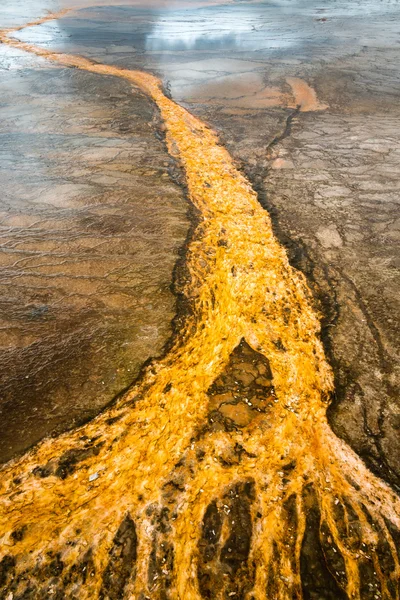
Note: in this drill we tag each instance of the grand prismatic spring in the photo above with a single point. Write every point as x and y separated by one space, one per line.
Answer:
162 496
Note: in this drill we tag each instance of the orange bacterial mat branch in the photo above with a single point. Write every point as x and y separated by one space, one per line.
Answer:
217 475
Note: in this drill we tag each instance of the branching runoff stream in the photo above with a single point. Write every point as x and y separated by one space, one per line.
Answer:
163 495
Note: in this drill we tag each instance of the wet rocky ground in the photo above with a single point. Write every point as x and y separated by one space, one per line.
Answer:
91 226
330 178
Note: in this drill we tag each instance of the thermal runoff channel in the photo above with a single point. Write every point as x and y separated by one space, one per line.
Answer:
162 496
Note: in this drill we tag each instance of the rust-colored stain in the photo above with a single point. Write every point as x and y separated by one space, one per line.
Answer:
248 91
160 498
304 95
